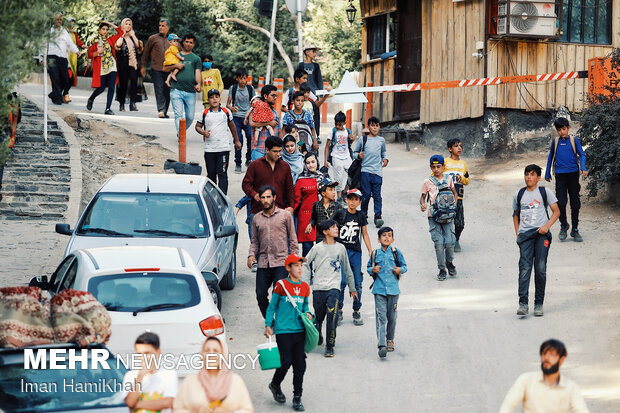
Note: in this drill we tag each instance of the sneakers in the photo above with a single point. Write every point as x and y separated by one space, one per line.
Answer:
89 104
451 269
390 345
340 317
329 352
575 234
538 310
238 169
523 309
297 405
255 267
277 393
378 221
357 318
442 275
382 351
563 230
457 247
108 112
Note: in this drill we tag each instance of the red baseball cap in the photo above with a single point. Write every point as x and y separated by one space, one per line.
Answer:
293 258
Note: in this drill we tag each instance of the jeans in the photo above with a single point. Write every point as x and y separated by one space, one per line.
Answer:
459 219
184 106
533 249
248 139
444 239
257 154
566 185
385 312
217 167
127 76
162 92
371 187
291 348
355 260
306 246
265 278
326 306
58 70
108 81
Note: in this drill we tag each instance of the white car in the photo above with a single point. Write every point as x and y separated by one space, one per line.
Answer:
156 289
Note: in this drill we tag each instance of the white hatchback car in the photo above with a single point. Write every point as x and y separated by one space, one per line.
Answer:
156 289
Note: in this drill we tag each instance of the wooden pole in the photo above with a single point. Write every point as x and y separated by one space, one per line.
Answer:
279 84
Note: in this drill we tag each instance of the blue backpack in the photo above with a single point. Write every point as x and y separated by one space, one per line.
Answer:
443 208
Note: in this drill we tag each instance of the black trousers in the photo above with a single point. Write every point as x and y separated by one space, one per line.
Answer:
107 81
566 185
58 70
162 92
291 348
217 168
317 119
265 278
459 219
326 305
127 77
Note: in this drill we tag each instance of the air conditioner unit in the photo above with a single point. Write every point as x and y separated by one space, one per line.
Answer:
527 18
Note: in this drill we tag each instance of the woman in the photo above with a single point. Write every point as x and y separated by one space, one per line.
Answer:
104 64
128 47
293 157
214 388
306 194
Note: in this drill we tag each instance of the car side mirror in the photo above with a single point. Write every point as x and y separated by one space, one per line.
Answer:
63 229
40 281
226 231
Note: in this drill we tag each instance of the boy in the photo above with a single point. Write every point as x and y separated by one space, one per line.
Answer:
323 209
338 152
373 159
289 329
327 261
353 224
442 234
211 78
457 169
172 57
239 97
532 225
386 265
212 127
300 76
567 159
300 118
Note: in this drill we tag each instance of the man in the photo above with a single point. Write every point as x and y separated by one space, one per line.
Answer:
154 50
183 90
273 171
273 238
269 94
549 392
152 389
60 43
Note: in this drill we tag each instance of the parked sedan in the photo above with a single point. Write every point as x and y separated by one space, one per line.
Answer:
186 211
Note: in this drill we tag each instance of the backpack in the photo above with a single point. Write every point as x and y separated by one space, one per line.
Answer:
373 256
332 141
556 142
443 208
543 194
355 170
304 130
233 92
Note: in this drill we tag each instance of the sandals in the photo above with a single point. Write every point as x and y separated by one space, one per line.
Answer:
390 345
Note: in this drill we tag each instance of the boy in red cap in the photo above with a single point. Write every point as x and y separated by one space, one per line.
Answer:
289 329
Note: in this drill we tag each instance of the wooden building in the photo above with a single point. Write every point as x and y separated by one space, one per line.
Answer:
435 40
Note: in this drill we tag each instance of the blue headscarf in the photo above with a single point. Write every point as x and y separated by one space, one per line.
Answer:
295 159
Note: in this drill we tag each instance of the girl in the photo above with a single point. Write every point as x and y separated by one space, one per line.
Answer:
103 53
128 47
306 194
293 157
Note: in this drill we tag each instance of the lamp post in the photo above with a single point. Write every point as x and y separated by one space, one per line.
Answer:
351 10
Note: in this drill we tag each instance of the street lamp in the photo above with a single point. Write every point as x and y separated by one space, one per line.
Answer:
351 10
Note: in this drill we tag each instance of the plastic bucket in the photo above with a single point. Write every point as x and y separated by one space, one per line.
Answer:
268 355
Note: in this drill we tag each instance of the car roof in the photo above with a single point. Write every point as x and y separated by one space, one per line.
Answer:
157 183
133 257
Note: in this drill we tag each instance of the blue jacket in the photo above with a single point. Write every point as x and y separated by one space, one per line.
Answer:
565 160
386 282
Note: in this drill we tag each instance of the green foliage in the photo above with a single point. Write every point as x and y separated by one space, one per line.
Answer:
600 124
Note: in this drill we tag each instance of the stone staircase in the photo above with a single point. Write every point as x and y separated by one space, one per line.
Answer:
36 182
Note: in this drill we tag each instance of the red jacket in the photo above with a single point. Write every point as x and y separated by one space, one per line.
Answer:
306 194
97 59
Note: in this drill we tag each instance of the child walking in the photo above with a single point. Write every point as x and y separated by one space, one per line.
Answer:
442 232
172 57
567 160
386 265
353 226
289 329
211 79
532 225
338 153
457 169
323 209
327 261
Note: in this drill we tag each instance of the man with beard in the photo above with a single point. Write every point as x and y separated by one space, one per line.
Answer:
549 392
273 239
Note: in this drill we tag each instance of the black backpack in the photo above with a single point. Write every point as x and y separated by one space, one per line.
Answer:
543 194
355 170
233 92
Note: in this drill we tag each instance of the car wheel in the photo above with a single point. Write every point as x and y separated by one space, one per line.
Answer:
216 293
230 279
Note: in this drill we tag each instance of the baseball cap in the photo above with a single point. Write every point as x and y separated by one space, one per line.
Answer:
293 258
173 36
437 159
213 92
310 47
354 191
326 184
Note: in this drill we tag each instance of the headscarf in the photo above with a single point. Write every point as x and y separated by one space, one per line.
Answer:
216 386
306 172
131 47
295 159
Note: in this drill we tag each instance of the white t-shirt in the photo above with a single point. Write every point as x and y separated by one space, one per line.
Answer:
217 122
162 383
341 145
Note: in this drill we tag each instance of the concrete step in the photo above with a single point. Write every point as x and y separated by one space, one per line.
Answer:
12 196
35 187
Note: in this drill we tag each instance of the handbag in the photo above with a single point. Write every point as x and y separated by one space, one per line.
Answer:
312 334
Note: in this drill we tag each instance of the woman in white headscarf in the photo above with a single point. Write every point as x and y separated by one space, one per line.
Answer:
128 48
215 388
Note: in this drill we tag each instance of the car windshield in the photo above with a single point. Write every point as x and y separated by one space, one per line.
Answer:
145 215
43 390
145 291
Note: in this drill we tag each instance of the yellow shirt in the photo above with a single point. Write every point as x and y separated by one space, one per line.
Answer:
211 79
453 168
170 56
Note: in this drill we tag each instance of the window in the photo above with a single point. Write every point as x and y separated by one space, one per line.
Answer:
586 21
60 271
67 282
381 34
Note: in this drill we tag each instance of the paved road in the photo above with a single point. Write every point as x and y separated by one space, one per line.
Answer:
459 344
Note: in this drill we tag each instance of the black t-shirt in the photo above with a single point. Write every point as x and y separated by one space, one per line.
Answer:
350 228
